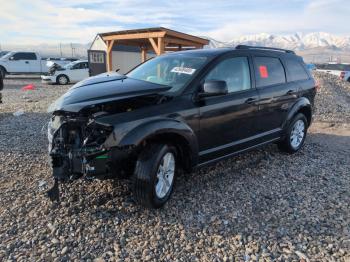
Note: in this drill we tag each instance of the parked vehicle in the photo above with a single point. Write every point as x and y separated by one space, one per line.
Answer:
176 112
22 63
2 53
311 67
70 73
340 70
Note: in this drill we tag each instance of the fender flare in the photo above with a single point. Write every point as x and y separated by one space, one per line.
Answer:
301 103
134 135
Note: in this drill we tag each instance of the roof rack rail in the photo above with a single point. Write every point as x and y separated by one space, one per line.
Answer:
264 48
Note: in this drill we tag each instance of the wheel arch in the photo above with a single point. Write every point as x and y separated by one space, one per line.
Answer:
303 106
62 75
169 131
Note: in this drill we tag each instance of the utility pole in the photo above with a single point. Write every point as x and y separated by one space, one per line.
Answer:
71 46
61 49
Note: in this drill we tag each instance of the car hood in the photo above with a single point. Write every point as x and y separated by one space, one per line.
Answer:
104 88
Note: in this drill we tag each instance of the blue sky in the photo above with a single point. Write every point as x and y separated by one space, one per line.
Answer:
40 21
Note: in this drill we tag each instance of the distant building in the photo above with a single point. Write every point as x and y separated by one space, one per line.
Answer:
124 57
123 50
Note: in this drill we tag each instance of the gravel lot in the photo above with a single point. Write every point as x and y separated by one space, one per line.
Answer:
261 206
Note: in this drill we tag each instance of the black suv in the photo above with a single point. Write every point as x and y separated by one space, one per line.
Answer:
176 112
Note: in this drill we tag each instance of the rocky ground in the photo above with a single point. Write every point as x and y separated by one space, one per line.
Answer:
261 206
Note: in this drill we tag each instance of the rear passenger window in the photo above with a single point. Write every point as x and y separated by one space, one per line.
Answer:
269 71
295 70
24 56
234 71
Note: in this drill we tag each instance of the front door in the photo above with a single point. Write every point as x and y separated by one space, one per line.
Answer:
79 72
227 122
18 63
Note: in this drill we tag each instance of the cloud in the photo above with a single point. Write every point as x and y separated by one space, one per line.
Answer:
40 21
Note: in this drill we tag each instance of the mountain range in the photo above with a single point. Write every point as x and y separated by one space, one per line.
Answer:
297 41
314 47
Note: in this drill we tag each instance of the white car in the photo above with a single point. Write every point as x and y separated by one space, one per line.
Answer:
70 73
340 70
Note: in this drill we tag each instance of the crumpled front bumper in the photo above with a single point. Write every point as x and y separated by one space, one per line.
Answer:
76 156
48 79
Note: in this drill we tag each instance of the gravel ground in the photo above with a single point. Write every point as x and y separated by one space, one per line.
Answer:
261 206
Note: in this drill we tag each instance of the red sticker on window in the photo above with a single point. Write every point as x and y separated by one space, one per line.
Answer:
263 72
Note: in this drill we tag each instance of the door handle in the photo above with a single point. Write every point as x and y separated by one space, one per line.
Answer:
27 62
250 100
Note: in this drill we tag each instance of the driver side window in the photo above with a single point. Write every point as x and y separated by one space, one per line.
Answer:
234 71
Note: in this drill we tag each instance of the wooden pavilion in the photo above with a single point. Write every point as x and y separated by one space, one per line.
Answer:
159 40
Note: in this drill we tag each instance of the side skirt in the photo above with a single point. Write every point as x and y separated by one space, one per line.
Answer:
236 153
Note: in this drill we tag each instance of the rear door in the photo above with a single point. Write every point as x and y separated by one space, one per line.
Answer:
228 121
276 95
34 63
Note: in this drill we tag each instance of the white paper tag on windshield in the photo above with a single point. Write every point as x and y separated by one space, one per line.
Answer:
183 70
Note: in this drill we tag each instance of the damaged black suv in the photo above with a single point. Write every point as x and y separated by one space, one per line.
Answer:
176 112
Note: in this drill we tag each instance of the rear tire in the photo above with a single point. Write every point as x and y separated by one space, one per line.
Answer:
295 135
62 80
154 176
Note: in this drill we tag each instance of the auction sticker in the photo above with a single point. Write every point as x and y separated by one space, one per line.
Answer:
183 70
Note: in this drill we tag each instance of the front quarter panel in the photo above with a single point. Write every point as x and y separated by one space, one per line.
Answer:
179 117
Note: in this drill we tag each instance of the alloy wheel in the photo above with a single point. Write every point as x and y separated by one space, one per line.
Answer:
165 175
297 134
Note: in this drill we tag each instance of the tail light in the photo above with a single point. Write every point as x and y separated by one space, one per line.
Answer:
342 75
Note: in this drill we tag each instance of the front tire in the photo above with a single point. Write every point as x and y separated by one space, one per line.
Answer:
2 72
62 80
295 135
154 175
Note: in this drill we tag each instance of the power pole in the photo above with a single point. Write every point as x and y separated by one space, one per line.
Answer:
71 46
61 49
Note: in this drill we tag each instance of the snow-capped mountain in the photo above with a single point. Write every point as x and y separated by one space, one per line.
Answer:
297 41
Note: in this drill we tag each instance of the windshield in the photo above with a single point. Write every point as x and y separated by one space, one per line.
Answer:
171 70
70 65
7 55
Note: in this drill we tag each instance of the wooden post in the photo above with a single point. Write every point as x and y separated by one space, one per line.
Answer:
109 55
143 54
161 46
154 45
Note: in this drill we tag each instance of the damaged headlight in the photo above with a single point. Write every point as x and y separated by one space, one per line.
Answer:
53 125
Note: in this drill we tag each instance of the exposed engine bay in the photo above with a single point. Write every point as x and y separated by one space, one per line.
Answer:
77 142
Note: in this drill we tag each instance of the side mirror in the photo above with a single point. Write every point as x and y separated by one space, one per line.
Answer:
214 88
11 58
